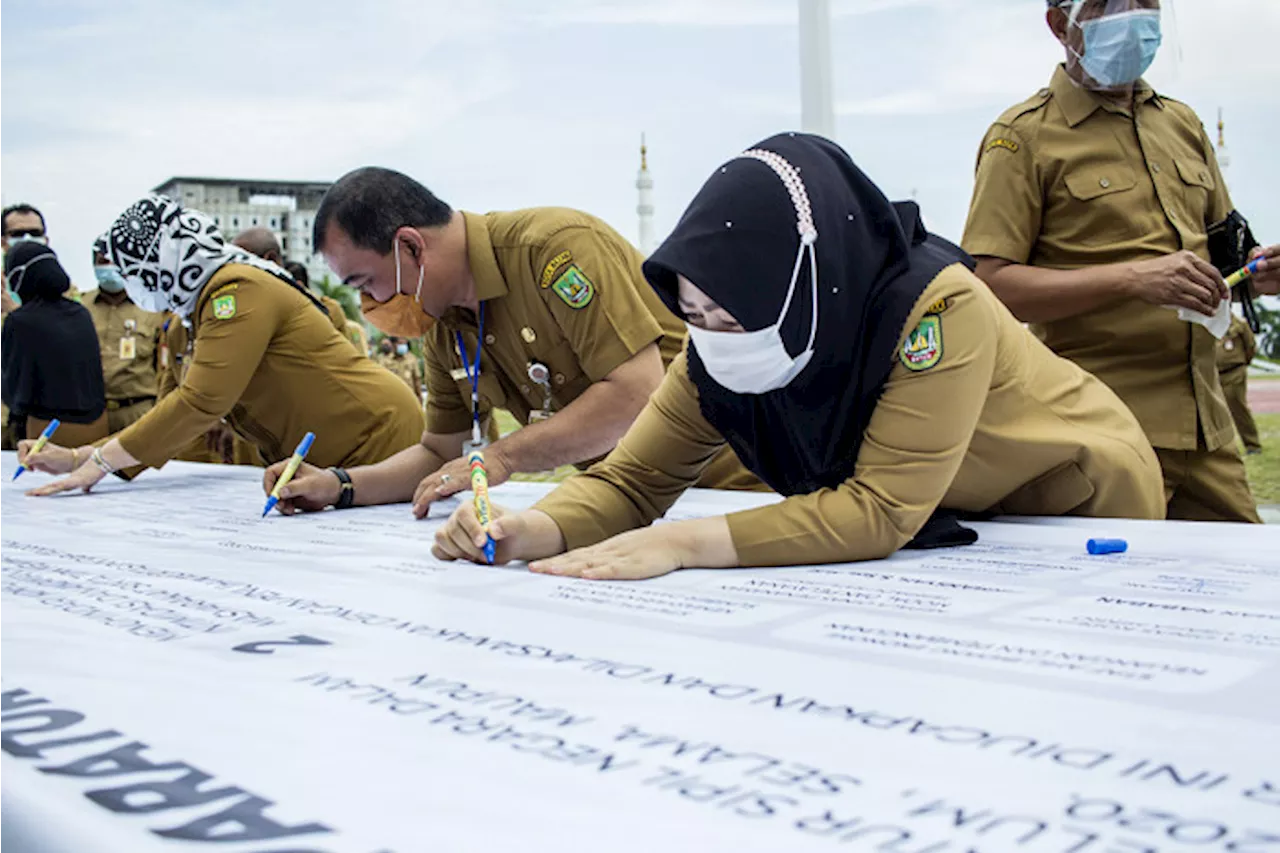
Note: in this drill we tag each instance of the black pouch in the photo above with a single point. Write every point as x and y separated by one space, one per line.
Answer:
1230 242
942 530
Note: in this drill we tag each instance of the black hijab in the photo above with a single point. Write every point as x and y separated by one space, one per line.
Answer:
737 242
52 367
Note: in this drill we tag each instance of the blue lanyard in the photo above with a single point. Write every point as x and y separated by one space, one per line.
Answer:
472 367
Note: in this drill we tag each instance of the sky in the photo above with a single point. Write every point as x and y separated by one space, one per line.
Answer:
502 104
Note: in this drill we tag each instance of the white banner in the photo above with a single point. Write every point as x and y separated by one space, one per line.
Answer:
180 674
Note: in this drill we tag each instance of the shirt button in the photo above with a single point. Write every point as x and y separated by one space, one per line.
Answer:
1104 183
1204 176
524 389
559 378
489 339
1155 167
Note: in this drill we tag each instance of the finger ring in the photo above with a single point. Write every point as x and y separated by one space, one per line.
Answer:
444 478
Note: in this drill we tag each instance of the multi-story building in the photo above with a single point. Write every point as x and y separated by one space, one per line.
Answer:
288 208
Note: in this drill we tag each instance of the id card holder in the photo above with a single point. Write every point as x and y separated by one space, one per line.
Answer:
537 416
128 348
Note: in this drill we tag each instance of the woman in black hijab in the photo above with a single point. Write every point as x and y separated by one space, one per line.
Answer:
49 351
858 367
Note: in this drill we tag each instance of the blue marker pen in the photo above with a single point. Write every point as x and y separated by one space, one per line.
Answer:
304 447
39 445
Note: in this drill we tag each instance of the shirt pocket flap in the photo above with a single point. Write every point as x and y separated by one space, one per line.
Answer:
1195 173
1056 492
1091 182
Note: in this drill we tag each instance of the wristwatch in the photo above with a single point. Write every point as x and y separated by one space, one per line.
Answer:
347 496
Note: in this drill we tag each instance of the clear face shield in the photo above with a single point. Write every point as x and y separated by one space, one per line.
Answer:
1111 43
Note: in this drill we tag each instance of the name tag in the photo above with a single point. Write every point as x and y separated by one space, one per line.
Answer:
458 374
128 349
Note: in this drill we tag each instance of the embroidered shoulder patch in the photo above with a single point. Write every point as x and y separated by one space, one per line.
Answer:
574 287
224 307
923 347
1001 142
553 266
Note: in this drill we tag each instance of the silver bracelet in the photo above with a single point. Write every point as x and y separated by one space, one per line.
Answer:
103 465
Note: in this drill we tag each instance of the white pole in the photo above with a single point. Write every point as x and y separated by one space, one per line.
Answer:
817 114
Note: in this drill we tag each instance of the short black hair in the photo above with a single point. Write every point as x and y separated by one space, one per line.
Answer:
371 204
21 207
299 273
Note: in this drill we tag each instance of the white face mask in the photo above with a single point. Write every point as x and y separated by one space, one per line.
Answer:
757 362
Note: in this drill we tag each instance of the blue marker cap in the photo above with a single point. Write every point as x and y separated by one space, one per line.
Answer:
1107 546
304 446
489 549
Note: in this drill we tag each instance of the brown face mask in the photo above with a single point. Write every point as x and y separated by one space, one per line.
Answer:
400 316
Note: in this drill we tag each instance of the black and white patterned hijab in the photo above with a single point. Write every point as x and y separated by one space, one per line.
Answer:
167 253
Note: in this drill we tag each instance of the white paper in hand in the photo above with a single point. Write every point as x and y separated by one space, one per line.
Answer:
1217 324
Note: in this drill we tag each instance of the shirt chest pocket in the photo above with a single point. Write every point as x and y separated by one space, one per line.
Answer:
1104 183
1196 184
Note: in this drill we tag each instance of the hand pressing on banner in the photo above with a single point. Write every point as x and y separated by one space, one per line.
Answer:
454 477
637 554
97 463
649 552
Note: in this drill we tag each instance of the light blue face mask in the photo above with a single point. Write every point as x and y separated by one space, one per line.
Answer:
1119 48
402 349
109 279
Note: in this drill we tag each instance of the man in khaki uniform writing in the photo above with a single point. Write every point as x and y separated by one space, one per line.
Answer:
1089 220
130 342
1235 351
549 302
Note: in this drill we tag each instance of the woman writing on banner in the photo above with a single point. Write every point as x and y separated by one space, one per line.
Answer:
264 356
858 367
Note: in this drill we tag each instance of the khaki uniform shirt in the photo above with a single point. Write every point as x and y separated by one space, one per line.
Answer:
560 288
1237 347
987 419
1068 180
129 339
274 366
404 366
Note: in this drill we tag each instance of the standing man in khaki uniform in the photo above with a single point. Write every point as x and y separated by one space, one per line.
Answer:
1235 352
130 342
1089 220
551 305
394 354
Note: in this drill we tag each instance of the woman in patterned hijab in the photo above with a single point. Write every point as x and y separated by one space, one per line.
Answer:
167 253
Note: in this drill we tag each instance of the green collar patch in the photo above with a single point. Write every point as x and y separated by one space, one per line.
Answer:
574 287
923 347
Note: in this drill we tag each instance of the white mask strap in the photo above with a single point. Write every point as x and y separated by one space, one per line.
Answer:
790 177
395 250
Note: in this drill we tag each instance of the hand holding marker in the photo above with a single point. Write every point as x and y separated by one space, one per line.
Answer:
286 475
39 445
480 486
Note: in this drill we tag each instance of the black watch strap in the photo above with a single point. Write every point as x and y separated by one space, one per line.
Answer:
347 496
